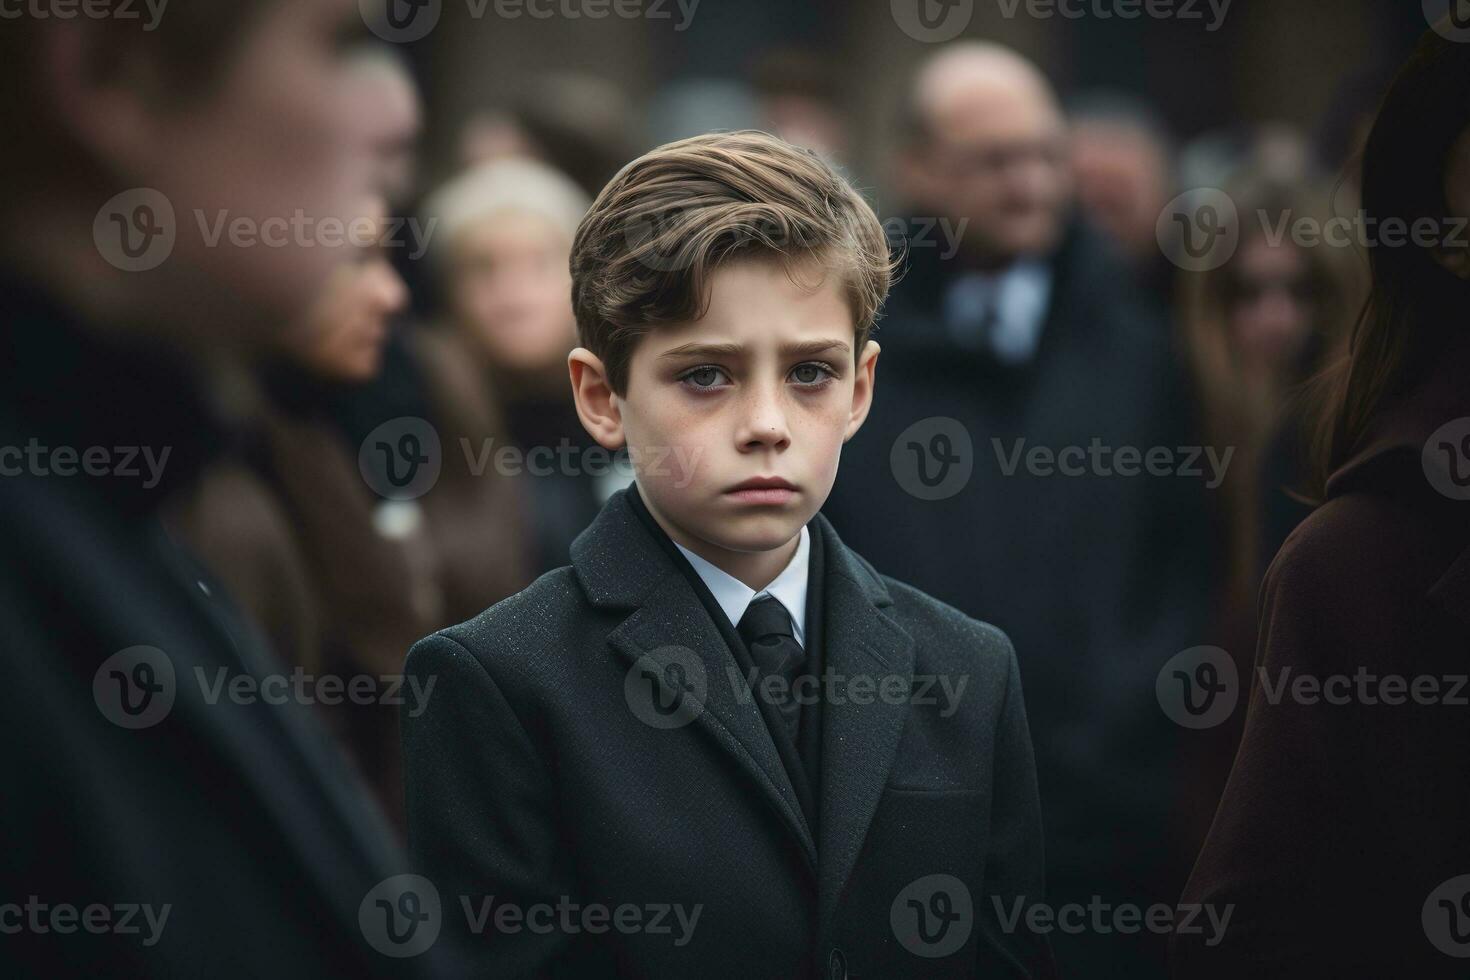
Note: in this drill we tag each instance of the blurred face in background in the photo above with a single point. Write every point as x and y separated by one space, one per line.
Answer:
281 136
994 155
348 325
1123 182
1271 305
510 292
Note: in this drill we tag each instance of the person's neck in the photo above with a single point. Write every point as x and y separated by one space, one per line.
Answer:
757 569
59 255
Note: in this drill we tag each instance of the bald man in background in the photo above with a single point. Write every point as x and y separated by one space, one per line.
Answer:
1021 326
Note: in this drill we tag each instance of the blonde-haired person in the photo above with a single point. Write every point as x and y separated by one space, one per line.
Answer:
500 236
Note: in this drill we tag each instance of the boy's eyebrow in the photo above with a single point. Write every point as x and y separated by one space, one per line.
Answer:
809 348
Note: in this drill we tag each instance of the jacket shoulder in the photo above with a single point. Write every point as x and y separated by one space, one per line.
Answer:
944 631
1352 585
1363 544
518 628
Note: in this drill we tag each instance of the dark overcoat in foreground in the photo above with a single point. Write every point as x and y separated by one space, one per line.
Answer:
134 781
1341 842
543 774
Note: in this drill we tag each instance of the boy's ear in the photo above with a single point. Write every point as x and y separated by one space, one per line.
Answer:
862 387
597 405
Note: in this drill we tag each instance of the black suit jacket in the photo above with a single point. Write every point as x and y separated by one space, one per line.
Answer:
543 772
239 816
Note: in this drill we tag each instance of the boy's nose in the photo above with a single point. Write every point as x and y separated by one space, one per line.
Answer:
764 421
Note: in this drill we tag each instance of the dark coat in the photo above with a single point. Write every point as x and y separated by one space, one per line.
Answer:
1340 820
532 776
240 816
1097 578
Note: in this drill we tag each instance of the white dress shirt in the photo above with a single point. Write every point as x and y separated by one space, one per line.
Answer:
1018 296
788 588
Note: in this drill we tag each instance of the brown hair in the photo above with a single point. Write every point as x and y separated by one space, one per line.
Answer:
1414 305
644 253
1246 413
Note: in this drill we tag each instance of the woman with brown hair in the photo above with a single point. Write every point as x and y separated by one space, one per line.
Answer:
1253 331
1340 846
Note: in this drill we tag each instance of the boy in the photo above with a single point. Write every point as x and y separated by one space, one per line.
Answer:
719 743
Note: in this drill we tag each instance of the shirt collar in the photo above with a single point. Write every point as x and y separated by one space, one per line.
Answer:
788 588
1020 295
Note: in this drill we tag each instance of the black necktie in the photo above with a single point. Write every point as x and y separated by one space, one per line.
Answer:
767 632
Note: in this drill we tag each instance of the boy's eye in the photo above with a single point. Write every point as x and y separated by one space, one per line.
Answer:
703 377
812 373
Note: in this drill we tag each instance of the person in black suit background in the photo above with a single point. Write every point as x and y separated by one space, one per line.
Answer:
719 709
1020 334
157 824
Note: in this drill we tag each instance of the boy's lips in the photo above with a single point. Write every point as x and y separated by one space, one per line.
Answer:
763 490
763 483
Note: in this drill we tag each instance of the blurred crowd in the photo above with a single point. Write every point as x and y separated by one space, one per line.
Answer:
1047 302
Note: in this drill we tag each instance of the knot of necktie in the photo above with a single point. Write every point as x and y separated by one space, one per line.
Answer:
767 631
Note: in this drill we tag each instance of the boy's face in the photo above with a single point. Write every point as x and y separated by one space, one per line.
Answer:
764 385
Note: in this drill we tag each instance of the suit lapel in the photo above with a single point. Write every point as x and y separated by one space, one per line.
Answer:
859 740
620 566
